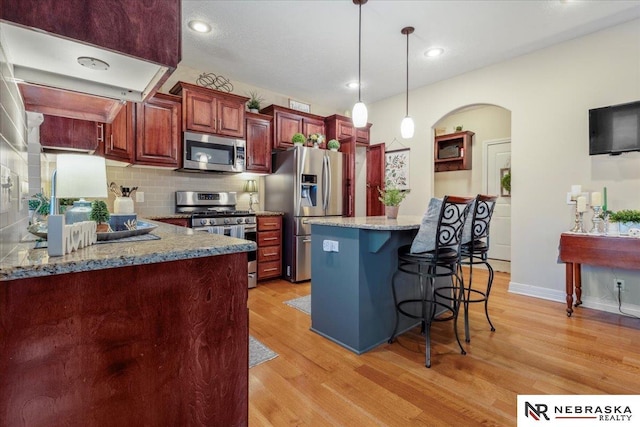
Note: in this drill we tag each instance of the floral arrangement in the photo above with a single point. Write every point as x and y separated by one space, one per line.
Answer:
316 138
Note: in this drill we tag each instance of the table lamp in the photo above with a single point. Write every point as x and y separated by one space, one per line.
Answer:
78 176
250 186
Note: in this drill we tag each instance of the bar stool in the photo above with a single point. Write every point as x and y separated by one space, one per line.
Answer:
474 250
435 252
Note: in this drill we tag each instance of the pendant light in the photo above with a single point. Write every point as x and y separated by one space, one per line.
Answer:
359 113
407 127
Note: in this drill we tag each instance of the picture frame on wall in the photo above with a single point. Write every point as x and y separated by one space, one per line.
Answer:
299 106
397 168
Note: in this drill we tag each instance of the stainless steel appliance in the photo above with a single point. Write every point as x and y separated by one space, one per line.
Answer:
305 183
213 153
215 212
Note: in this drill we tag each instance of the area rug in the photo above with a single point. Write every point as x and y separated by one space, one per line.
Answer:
259 352
303 304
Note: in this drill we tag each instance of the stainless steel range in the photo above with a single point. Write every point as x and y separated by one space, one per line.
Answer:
215 212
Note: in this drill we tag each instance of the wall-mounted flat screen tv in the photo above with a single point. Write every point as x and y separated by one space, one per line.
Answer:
615 129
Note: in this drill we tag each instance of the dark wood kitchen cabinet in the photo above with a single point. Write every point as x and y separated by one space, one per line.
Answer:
453 151
61 133
181 222
259 136
287 122
147 29
211 111
269 246
158 131
119 141
339 127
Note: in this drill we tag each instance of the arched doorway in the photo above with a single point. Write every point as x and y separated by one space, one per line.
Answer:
491 159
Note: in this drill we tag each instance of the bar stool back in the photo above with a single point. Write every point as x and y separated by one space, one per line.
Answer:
435 252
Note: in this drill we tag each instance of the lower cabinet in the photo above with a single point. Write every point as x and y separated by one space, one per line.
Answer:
269 247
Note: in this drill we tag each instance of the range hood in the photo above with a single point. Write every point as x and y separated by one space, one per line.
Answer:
45 59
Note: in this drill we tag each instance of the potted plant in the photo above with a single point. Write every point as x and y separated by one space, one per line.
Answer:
100 214
333 145
505 182
38 208
391 197
316 139
298 139
626 219
254 103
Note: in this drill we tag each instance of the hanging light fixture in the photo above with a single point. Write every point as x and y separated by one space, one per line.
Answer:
407 127
359 113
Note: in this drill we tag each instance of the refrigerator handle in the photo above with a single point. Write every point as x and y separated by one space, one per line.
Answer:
325 185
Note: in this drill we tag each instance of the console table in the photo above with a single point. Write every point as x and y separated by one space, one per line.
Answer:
577 249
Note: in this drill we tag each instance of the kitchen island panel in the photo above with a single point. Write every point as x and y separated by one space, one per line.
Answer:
351 296
153 344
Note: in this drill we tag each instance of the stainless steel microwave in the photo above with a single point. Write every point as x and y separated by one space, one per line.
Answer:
213 153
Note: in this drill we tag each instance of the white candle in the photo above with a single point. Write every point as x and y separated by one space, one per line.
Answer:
582 203
576 190
596 199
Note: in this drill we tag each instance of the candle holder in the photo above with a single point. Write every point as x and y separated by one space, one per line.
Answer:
597 221
578 226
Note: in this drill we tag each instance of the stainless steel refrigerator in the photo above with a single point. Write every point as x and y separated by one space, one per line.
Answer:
306 183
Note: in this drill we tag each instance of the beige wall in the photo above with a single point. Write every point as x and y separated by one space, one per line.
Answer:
549 93
488 122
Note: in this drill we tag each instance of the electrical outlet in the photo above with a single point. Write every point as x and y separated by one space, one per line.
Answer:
619 284
139 197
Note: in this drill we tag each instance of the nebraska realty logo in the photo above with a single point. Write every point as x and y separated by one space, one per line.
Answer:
578 410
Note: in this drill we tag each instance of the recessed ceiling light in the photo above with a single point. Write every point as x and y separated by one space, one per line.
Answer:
352 85
199 26
433 52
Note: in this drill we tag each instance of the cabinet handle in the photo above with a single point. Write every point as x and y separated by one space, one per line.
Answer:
270 269
270 238
111 141
270 224
273 254
101 135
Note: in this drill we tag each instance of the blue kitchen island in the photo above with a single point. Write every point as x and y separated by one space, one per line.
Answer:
352 264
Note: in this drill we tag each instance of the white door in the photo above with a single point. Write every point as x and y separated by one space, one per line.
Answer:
498 162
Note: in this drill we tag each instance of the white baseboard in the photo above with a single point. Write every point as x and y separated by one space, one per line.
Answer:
561 296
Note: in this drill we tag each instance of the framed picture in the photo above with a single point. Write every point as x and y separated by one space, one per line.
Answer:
299 106
505 182
397 168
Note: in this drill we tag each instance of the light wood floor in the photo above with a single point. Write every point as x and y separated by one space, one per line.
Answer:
536 349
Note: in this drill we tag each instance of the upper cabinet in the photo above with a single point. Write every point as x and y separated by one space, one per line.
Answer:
158 131
61 133
147 29
259 136
146 133
137 42
211 111
288 122
453 151
341 128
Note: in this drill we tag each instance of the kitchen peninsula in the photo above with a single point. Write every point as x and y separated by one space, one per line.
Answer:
151 332
352 264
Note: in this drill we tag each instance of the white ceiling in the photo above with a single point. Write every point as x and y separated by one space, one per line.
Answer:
309 49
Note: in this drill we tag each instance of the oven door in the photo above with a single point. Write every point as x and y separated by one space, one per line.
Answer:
213 153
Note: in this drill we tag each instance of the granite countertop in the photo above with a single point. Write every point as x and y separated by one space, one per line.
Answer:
403 222
170 216
269 213
175 243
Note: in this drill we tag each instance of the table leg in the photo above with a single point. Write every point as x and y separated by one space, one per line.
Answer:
577 282
569 285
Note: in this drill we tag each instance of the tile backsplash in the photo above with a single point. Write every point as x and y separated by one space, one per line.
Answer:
159 187
14 185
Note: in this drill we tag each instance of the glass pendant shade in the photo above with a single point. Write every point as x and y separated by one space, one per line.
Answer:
359 115
407 127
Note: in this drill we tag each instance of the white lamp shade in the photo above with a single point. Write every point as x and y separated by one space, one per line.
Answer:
407 127
359 115
81 176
